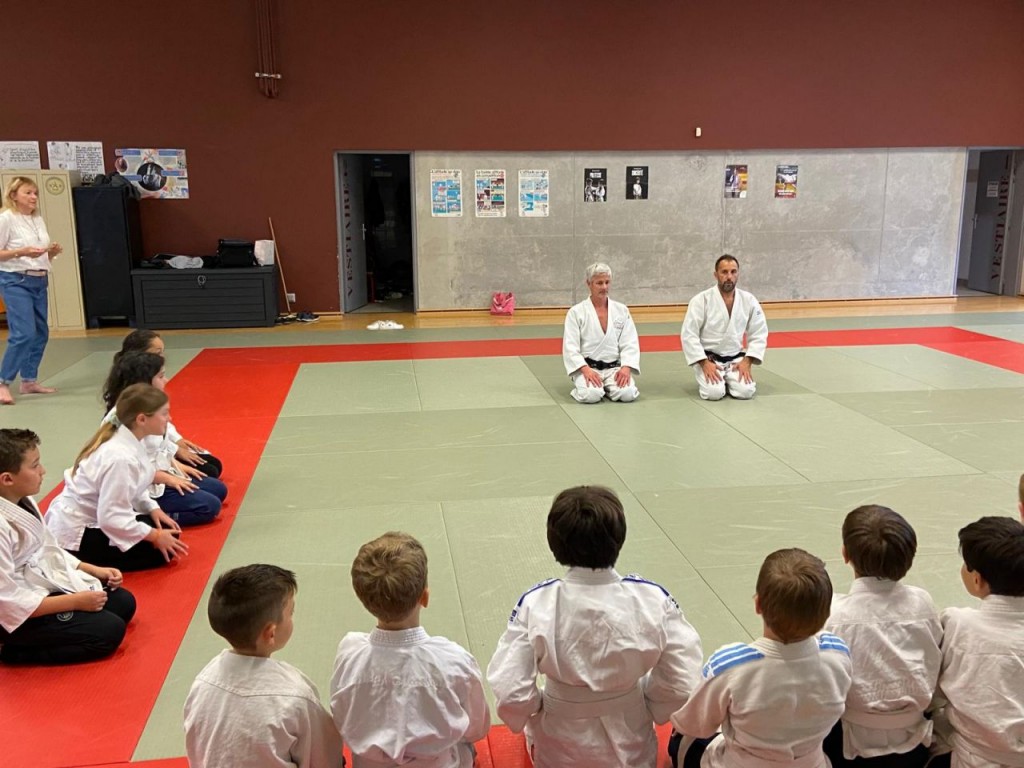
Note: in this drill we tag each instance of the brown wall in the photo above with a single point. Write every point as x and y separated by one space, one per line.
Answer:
522 75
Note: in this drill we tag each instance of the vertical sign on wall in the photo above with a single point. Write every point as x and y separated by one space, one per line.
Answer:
490 194
735 181
534 193
636 182
446 192
595 185
785 180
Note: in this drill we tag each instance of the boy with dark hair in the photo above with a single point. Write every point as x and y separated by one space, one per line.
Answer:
244 707
398 695
616 652
775 699
894 631
53 607
982 677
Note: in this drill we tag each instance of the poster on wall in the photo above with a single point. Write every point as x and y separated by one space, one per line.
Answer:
490 194
636 182
157 173
83 156
446 192
595 185
534 193
735 181
19 154
785 180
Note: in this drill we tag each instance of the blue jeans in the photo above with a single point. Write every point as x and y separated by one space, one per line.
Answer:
26 302
195 507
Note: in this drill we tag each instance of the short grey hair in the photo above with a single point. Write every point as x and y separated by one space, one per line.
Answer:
599 268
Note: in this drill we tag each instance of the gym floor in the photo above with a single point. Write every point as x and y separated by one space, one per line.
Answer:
460 429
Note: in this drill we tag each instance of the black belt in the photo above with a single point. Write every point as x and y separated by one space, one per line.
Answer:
714 358
600 365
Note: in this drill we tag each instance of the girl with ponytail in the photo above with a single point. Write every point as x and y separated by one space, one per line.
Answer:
105 515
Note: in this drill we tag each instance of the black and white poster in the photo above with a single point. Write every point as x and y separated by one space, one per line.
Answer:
636 182
595 185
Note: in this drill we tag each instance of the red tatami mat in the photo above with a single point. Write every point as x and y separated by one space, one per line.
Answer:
229 400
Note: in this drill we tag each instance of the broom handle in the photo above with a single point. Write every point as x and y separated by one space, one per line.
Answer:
280 269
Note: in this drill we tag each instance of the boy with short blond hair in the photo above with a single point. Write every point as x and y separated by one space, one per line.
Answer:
245 708
775 699
617 653
398 695
982 675
894 632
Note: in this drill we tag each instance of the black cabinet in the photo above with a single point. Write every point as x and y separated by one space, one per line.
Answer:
205 298
109 246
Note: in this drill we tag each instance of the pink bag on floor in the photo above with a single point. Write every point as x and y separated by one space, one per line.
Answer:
503 303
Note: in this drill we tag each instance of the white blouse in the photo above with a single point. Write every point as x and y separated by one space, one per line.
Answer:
20 231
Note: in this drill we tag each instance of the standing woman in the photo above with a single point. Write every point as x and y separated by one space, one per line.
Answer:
25 253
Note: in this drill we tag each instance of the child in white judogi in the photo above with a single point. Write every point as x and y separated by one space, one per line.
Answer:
616 652
893 632
772 701
716 322
53 607
398 695
981 685
600 345
246 708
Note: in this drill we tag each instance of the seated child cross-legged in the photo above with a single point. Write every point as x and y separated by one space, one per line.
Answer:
398 695
982 679
893 631
245 708
616 651
54 608
771 701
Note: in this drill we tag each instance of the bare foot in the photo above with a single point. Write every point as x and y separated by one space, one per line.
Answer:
5 395
35 388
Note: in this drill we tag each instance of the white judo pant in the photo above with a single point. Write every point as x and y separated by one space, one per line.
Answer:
583 392
730 383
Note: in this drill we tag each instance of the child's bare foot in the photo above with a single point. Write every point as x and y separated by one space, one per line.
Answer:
35 388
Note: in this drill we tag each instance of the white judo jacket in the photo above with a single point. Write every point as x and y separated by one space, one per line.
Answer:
584 337
618 656
32 566
708 325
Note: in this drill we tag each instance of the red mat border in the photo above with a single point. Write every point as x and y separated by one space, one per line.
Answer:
99 727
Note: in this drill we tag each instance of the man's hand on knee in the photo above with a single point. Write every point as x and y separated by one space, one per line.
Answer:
710 371
743 371
592 377
623 375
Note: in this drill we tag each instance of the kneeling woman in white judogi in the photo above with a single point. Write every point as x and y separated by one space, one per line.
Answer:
105 514
53 607
600 347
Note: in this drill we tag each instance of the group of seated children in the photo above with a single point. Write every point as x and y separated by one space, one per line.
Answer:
131 489
872 678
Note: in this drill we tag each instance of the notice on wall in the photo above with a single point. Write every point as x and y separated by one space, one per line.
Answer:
83 156
20 154
636 182
735 181
595 185
446 193
534 193
157 173
785 180
490 194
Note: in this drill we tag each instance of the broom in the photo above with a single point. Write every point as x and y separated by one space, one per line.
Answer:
289 316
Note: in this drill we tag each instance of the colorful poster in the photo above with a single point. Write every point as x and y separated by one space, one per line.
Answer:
785 180
636 182
158 173
490 194
735 181
595 185
534 193
20 154
83 156
446 193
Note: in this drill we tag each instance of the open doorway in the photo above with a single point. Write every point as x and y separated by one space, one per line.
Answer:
375 232
990 249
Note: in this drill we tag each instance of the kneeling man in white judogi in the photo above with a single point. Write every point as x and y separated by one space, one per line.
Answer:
601 349
716 321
